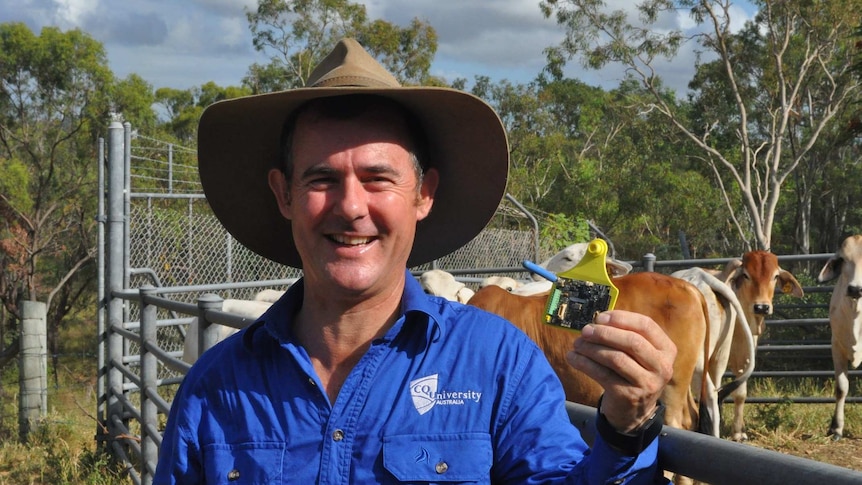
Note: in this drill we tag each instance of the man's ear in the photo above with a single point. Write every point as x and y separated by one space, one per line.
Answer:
426 193
278 185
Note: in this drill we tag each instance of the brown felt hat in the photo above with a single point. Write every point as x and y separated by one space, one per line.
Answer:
238 143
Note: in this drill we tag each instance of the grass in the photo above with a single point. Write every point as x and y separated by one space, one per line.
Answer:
64 451
800 429
62 448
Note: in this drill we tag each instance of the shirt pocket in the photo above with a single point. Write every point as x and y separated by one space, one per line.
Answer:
438 458
243 463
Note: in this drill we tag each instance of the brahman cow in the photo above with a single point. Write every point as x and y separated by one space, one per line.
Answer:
563 261
246 308
443 283
505 282
753 279
571 255
845 320
726 318
675 304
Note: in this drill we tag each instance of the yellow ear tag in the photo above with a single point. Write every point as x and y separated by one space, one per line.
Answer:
582 292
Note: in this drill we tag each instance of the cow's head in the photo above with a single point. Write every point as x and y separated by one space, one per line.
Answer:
754 279
570 256
846 263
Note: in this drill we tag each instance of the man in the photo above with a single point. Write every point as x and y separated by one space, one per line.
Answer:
355 375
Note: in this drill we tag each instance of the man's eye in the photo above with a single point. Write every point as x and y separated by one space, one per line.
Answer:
319 183
378 181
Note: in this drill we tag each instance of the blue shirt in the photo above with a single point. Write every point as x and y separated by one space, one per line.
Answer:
451 394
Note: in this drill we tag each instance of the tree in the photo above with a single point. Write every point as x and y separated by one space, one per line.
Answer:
182 108
578 154
297 34
133 98
53 102
777 83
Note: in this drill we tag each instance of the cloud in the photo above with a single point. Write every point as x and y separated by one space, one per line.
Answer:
186 43
144 29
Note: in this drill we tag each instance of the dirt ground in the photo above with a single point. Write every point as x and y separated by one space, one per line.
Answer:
846 452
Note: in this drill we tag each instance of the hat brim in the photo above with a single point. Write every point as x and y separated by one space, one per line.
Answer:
238 143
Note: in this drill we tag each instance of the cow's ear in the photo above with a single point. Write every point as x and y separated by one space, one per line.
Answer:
789 284
731 271
617 268
831 269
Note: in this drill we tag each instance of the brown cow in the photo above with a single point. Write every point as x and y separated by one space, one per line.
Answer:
753 279
676 305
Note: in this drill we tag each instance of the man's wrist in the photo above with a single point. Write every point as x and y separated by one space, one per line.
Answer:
634 442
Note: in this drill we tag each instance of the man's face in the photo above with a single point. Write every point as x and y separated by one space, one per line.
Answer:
353 201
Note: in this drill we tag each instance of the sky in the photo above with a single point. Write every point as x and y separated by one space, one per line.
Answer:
185 43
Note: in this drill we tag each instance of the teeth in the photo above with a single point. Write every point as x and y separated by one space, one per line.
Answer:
352 240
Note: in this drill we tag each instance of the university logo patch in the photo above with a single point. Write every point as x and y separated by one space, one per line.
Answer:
425 395
423 392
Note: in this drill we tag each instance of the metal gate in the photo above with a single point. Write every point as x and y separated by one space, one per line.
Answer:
164 260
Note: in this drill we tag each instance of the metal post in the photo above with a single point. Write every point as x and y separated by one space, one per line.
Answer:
649 262
127 201
114 274
127 210
207 333
100 293
33 367
149 370
170 168
229 257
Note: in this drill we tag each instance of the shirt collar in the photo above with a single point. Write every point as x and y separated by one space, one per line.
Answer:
418 311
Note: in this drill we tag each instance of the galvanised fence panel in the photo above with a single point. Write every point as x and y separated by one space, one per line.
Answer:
166 260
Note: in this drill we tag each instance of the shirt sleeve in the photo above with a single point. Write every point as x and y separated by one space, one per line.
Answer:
537 444
179 462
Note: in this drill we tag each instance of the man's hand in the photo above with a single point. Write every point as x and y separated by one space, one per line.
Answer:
632 358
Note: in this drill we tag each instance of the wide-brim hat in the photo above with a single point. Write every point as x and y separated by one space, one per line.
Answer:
238 143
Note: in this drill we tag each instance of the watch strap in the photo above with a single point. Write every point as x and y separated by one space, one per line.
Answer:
630 444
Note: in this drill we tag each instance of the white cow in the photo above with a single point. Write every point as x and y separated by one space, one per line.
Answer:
533 288
571 255
442 283
565 260
845 320
505 282
246 308
726 320
269 295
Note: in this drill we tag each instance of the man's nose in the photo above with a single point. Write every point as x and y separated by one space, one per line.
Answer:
353 201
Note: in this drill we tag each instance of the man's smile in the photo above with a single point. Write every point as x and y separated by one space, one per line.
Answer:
350 240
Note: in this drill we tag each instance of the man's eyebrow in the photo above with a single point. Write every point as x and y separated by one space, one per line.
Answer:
317 170
323 169
380 168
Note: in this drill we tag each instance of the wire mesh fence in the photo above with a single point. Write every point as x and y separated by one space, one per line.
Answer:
172 240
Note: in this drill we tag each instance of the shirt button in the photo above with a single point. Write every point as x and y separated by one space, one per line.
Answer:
441 467
233 475
311 381
337 435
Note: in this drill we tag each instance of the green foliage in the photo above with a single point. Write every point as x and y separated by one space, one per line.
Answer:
13 184
133 98
182 108
758 108
62 450
54 102
297 34
557 231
